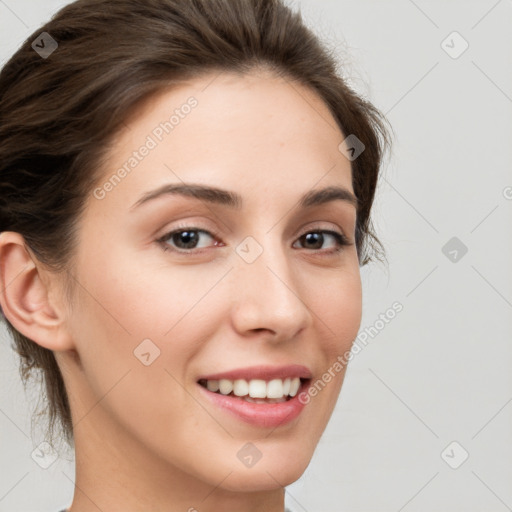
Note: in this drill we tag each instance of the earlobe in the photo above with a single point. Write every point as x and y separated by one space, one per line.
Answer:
24 295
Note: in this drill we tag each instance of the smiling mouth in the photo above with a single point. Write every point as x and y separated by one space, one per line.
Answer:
256 390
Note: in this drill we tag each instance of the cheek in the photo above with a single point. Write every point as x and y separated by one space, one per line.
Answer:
128 317
132 311
339 309
144 296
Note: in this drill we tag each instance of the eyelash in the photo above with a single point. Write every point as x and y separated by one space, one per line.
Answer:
340 238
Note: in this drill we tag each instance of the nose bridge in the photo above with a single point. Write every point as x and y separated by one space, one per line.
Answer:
269 297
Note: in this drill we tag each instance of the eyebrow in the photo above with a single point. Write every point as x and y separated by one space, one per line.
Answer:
235 201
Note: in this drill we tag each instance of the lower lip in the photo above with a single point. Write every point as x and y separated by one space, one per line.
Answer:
260 415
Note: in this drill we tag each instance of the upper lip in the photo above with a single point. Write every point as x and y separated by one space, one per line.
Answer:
262 372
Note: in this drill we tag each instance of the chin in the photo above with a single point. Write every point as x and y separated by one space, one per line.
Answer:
276 472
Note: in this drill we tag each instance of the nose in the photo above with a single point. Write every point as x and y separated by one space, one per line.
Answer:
269 297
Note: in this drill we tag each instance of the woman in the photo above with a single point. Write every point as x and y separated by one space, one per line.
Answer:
186 188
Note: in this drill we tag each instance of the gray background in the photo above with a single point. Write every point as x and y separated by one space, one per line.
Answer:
439 372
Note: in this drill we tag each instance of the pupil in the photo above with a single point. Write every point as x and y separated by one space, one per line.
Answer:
185 238
315 236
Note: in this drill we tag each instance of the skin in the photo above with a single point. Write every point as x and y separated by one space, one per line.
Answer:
145 438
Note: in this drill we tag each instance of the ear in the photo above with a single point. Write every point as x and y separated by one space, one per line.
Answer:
25 295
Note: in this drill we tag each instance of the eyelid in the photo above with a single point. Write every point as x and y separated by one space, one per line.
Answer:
212 231
320 226
191 225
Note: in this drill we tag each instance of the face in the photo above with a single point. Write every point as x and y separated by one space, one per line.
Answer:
180 292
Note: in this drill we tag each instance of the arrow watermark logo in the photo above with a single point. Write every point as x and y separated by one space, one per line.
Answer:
454 45
249 249
454 249
351 147
44 45
454 455
249 455
44 455
146 352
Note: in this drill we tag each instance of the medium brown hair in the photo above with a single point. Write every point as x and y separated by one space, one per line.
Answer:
59 114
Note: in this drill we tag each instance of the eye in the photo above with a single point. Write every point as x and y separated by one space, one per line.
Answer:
186 240
315 240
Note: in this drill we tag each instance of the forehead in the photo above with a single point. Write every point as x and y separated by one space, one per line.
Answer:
256 131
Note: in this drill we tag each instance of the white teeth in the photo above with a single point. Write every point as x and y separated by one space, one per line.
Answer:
256 388
212 385
275 388
294 386
225 386
286 386
240 387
